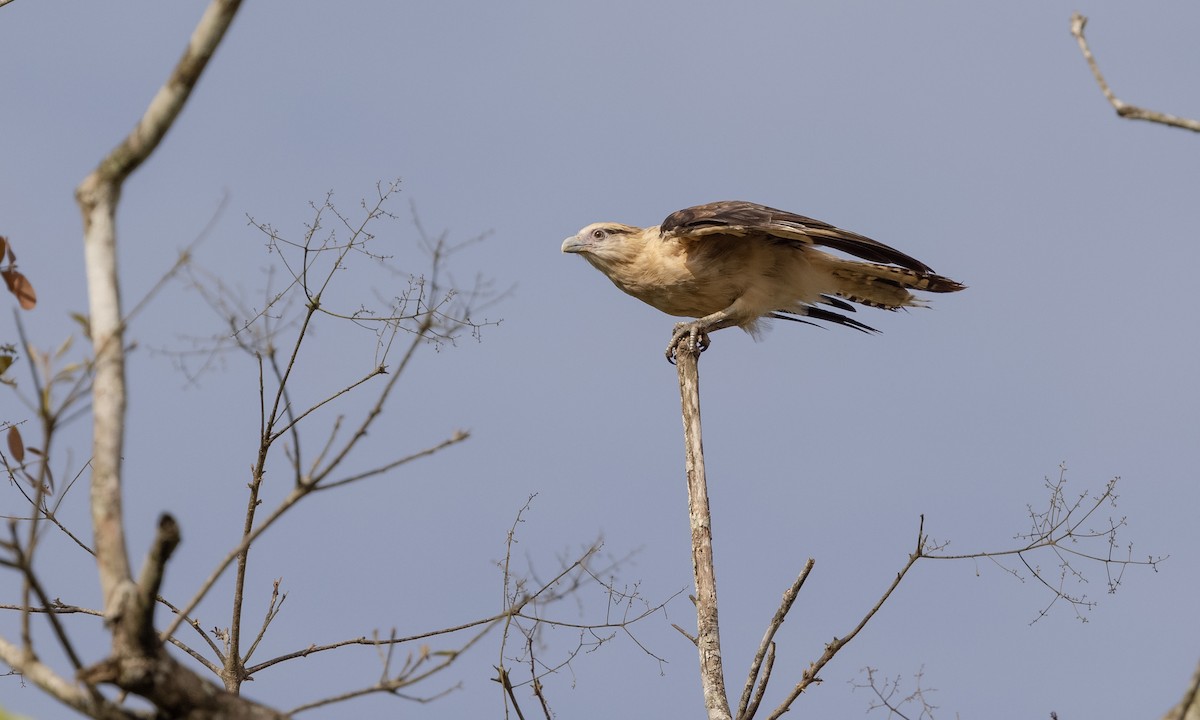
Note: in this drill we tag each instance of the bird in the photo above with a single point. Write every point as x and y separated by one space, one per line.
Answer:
736 263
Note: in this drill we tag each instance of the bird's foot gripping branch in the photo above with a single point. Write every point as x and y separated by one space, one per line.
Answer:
688 337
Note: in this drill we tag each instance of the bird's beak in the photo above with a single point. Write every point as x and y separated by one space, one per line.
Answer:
575 244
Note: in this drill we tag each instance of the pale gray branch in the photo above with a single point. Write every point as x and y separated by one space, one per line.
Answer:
65 691
766 649
98 196
810 675
708 637
1125 110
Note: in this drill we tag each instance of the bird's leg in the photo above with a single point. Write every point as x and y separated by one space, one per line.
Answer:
693 335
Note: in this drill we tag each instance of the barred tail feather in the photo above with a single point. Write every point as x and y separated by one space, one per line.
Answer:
885 286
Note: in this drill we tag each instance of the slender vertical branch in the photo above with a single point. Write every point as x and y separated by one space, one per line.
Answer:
708 637
99 202
234 672
766 648
98 196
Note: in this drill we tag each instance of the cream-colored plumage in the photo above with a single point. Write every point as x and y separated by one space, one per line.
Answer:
734 263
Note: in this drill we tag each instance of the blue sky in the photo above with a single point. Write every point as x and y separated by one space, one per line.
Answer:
970 136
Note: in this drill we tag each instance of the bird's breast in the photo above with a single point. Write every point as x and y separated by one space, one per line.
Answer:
676 285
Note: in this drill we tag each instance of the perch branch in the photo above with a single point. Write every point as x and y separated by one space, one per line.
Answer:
708 637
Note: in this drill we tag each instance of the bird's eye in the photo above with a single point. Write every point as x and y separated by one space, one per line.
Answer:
597 234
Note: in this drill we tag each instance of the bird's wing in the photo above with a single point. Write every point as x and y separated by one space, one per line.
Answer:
739 218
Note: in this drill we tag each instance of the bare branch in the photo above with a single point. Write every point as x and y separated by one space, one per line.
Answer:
23 563
292 498
708 637
502 678
414 671
55 607
887 695
166 539
374 642
273 608
98 196
1062 529
291 424
810 675
272 425
1132 112
766 649
66 691
457 437
195 625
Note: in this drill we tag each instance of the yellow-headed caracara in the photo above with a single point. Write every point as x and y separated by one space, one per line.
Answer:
734 263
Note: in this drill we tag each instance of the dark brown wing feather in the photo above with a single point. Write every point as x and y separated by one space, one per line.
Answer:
741 218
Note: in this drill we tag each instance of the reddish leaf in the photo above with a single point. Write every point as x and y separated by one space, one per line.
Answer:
20 286
16 447
3 246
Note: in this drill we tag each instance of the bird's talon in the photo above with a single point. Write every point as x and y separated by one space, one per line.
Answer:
688 336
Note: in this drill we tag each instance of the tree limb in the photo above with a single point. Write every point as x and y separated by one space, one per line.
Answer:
98 196
138 663
766 649
708 637
67 692
165 541
1124 109
810 675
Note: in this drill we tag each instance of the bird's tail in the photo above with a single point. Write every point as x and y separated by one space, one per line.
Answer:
884 286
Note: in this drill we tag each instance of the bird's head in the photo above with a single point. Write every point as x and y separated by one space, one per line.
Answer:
605 242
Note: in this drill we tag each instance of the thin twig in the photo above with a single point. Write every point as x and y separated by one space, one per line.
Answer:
273 608
457 437
32 583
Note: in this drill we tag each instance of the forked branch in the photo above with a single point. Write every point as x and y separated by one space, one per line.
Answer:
810 675
766 649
